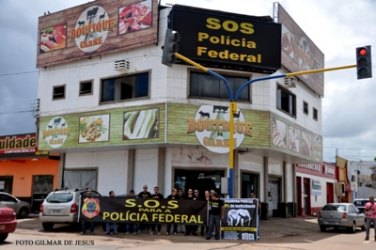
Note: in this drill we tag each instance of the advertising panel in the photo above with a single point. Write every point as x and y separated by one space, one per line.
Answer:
300 53
127 126
208 125
14 144
294 139
227 40
96 28
241 220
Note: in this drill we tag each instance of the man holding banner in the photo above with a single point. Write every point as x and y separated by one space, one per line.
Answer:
215 215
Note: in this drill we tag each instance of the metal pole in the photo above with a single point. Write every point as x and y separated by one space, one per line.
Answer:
233 103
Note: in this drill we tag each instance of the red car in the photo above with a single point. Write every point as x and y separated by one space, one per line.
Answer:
8 221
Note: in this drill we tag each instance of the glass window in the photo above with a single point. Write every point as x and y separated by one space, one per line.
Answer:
86 88
81 179
305 107
125 88
286 101
315 114
60 197
58 92
203 85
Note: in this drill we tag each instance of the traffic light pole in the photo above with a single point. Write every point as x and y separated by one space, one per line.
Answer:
233 107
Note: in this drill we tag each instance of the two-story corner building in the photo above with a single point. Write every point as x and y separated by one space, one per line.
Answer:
122 119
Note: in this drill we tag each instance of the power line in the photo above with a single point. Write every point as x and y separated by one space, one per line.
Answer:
18 73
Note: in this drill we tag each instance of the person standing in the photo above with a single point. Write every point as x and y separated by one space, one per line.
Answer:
370 210
131 227
215 215
111 225
253 195
190 229
87 195
144 194
156 228
172 196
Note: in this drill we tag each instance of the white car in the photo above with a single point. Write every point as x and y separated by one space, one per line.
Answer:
61 207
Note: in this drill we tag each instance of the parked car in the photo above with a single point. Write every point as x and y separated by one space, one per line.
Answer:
360 203
22 208
61 207
8 221
339 215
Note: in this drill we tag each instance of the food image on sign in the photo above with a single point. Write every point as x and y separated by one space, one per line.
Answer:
135 17
94 128
53 38
141 124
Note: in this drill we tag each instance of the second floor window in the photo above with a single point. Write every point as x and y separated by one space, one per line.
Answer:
125 87
202 85
286 101
58 92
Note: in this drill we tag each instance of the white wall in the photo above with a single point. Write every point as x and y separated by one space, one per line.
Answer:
146 169
111 165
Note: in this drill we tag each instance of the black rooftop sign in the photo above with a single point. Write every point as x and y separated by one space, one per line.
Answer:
227 40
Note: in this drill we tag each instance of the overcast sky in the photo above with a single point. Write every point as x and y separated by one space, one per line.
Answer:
337 27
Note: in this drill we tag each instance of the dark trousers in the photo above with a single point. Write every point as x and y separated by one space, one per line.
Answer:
84 226
174 229
368 225
156 228
214 226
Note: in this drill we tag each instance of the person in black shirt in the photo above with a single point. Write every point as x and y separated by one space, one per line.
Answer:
215 215
172 196
131 227
111 225
156 228
190 229
144 194
88 194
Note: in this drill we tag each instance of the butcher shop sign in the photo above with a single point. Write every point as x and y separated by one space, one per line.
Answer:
92 28
211 126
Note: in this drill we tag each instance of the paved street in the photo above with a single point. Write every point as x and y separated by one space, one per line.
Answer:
276 233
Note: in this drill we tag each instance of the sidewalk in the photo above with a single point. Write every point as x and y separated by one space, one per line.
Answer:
275 228
270 230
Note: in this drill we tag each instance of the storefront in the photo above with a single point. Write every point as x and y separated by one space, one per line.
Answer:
25 172
316 186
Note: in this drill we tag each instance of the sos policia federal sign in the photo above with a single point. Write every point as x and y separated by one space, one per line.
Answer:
240 219
227 40
149 211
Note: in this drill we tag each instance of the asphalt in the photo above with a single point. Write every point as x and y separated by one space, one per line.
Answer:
273 229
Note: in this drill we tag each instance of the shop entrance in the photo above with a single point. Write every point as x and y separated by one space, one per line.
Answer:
42 186
198 179
6 184
249 184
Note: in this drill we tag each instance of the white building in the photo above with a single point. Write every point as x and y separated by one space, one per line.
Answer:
122 119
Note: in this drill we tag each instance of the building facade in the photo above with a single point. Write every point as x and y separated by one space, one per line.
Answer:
121 119
25 172
315 186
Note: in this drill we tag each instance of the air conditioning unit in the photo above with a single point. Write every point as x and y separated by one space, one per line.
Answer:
121 65
290 82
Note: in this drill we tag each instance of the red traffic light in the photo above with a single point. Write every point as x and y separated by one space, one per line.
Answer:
364 62
363 51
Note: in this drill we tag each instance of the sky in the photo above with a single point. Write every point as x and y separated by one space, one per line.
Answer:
337 27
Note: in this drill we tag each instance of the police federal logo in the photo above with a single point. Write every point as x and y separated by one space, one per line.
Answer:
91 207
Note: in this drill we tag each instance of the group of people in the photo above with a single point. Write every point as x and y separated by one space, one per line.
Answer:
210 228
